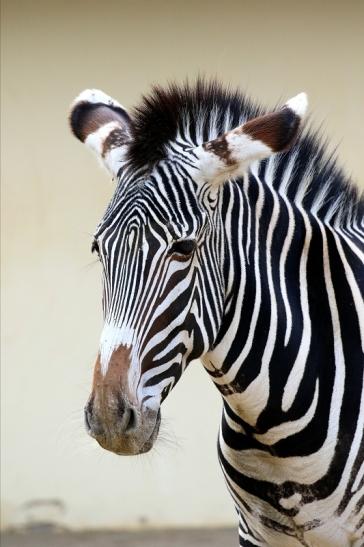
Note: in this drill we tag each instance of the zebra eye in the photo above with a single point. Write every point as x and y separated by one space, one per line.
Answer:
185 247
95 247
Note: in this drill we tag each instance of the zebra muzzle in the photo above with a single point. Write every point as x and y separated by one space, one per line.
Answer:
113 416
120 427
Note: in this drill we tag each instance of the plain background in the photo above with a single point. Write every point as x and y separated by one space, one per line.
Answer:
54 194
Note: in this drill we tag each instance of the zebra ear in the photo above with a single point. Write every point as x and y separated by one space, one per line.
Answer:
231 154
103 125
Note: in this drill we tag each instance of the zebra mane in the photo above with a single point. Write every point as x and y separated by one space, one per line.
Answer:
307 174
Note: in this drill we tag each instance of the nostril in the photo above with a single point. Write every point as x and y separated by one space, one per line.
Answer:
132 420
127 414
88 414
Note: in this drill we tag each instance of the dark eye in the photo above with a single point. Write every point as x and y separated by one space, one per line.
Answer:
95 247
184 247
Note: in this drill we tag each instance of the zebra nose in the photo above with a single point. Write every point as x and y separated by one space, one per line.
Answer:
116 417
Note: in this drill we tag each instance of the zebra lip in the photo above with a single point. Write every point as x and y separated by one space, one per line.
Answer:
150 442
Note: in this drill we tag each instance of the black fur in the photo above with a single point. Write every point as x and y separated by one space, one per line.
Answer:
165 111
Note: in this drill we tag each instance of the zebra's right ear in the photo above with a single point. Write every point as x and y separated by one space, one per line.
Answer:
103 125
231 154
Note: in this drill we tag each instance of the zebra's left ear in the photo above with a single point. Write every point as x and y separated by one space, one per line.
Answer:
231 154
103 125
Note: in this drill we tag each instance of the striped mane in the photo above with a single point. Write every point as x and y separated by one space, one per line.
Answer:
201 112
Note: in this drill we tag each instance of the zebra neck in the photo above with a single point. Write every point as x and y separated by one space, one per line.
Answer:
268 358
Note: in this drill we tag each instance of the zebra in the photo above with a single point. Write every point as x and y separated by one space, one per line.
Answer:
233 237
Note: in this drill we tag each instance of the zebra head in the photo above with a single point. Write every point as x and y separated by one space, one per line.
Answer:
162 245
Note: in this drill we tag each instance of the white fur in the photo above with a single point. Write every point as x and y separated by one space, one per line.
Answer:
298 104
115 156
113 337
291 501
210 165
95 96
96 139
244 149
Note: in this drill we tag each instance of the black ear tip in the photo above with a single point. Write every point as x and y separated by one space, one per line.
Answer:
289 130
289 121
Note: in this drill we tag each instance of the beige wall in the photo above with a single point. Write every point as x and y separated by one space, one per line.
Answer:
54 194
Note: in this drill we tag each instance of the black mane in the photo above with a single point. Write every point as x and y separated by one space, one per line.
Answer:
206 109
159 117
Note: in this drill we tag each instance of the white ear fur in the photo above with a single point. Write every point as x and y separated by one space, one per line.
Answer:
299 104
231 154
103 125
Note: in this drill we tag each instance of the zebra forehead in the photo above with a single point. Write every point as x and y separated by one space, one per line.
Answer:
171 206
125 217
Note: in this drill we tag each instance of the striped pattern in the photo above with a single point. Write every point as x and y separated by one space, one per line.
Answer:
156 295
289 363
270 297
